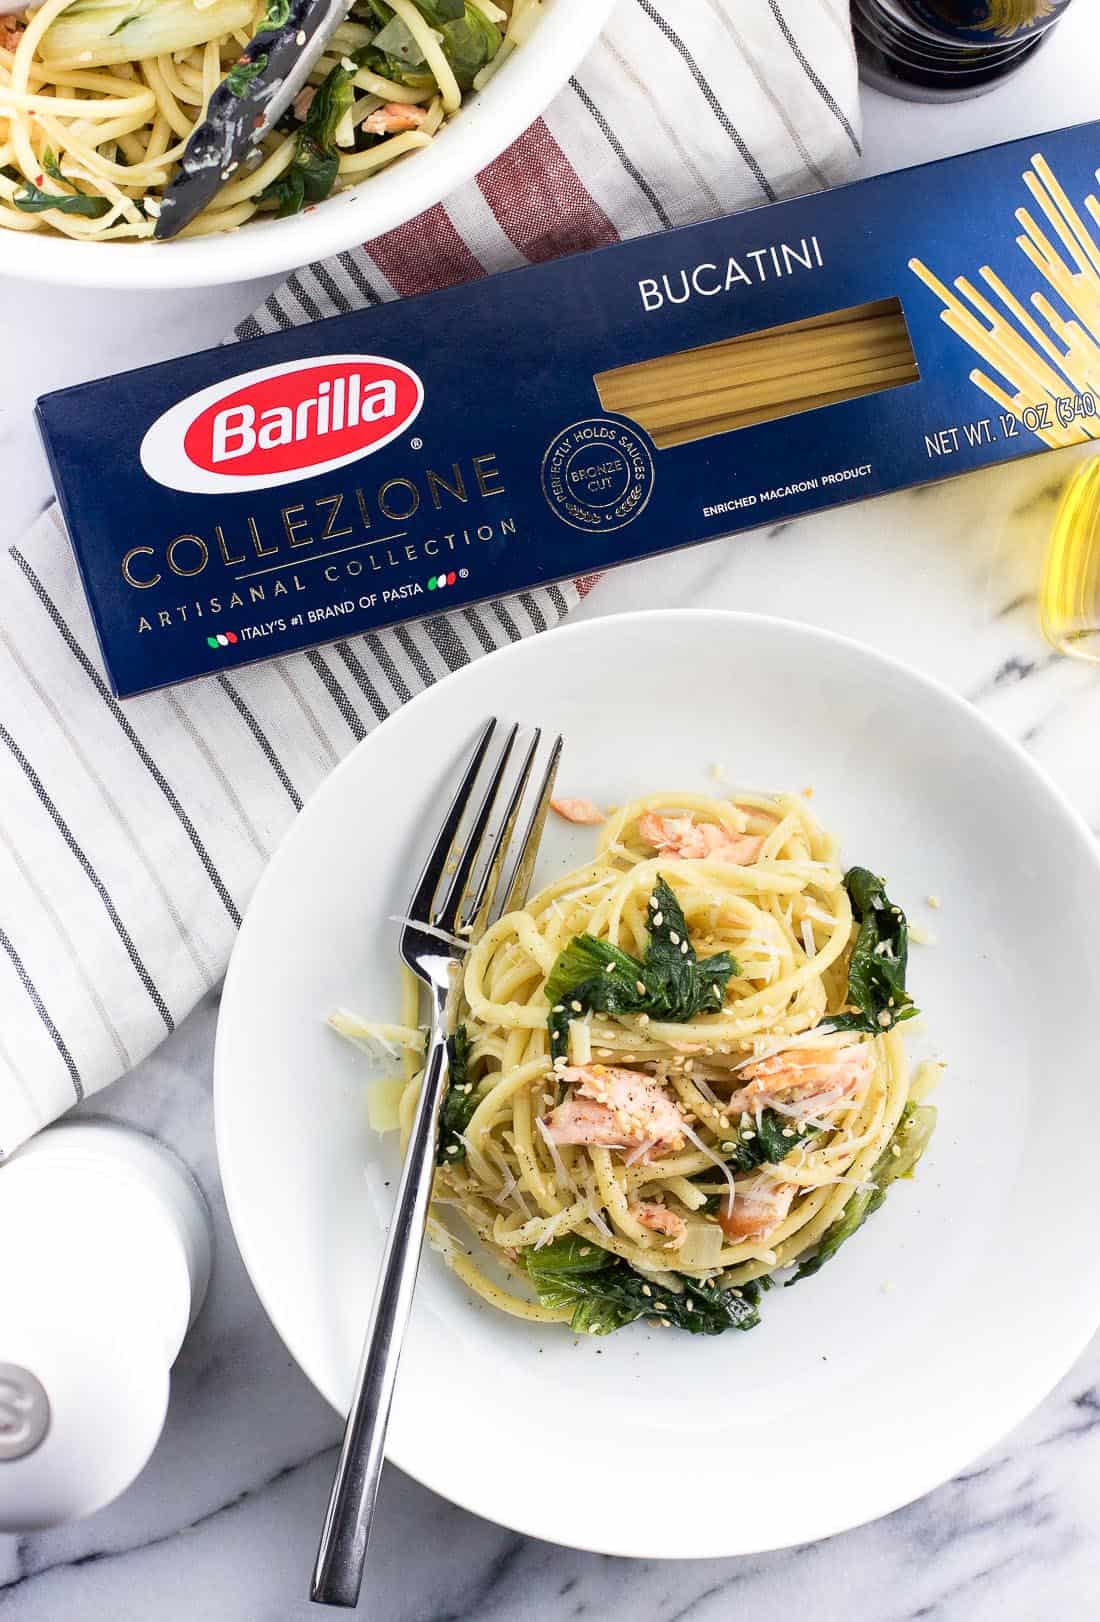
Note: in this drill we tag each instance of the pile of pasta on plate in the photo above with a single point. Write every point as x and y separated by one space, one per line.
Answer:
676 1076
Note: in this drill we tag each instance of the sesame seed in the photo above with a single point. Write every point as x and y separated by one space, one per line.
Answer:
727 1148
748 1136
661 1306
639 986
300 37
788 1132
585 1250
653 902
576 1007
673 937
646 1290
895 1151
685 948
658 919
934 901
452 1148
643 1019
558 1008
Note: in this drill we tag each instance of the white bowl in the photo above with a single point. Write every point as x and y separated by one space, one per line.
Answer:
489 122
852 1397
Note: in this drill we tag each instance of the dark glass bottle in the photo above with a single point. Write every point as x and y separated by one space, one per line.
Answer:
945 50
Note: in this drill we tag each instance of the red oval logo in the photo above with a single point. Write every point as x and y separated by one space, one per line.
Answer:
289 423
279 423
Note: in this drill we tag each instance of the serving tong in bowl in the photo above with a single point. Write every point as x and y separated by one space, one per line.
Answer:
273 67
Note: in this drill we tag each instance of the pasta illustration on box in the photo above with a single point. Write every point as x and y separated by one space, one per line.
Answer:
328 480
1038 359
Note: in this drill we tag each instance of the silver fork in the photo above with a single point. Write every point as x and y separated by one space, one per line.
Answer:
473 897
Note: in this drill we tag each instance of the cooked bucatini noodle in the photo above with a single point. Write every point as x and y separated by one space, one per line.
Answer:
675 1071
99 97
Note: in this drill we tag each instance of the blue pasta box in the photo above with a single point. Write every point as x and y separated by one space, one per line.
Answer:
381 466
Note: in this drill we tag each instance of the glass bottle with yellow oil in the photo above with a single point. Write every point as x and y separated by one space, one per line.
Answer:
1069 595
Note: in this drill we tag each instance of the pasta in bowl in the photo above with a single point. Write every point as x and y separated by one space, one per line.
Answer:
97 102
675 1074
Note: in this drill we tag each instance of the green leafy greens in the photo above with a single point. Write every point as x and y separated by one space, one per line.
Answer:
593 976
876 972
316 162
459 1102
467 39
276 15
898 1159
767 1146
605 1293
31 199
439 12
241 74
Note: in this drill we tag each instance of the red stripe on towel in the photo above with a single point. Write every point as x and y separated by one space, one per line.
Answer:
425 254
540 201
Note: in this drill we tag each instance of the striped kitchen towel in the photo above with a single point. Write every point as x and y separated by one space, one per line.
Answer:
132 835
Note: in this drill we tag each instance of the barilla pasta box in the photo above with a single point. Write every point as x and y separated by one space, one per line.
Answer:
401 460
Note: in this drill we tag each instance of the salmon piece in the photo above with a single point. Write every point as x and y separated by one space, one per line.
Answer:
802 1075
659 1219
614 1108
759 1208
392 118
698 841
578 811
303 101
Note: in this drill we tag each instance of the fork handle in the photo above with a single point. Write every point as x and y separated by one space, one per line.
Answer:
338 1573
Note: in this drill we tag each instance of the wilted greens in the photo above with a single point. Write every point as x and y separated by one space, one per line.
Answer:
593 976
459 1101
605 1293
876 971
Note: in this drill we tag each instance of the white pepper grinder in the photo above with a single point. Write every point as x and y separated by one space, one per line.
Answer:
105 1239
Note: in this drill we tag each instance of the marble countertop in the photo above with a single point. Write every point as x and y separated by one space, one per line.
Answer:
223 1523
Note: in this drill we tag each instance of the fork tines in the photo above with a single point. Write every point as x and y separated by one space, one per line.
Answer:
471 851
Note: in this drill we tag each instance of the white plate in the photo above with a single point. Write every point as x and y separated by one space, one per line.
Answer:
488 123
957 1307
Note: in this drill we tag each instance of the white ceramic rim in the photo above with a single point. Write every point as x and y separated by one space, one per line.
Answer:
489 123
999 1418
